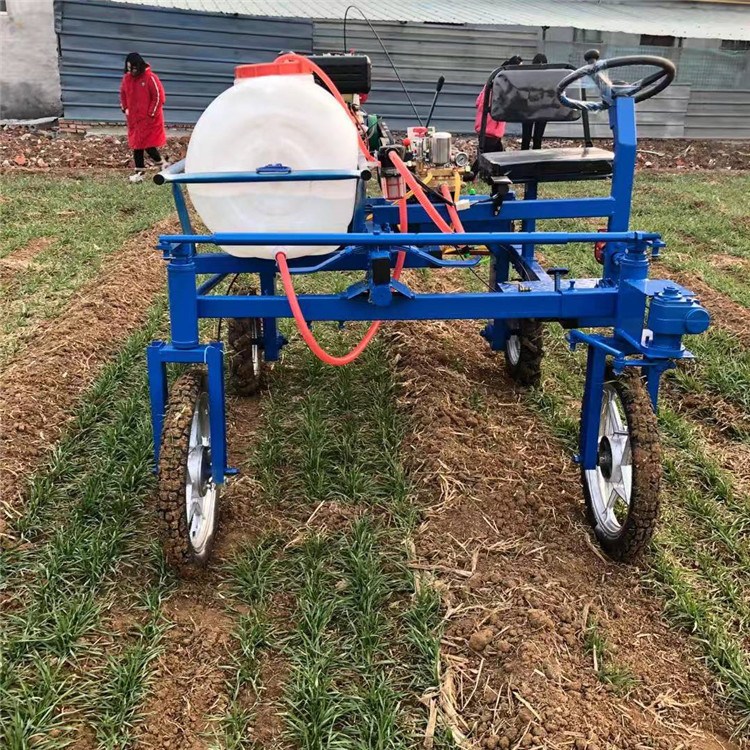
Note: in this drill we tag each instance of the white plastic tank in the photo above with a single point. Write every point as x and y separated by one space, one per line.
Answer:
274 114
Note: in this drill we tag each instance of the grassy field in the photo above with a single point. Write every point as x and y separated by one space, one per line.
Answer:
333 634
66 227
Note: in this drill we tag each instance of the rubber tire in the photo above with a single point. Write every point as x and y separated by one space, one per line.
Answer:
240 335
645 445
172 514
528 370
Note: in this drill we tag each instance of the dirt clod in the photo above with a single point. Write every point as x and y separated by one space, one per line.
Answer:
481 639
540 619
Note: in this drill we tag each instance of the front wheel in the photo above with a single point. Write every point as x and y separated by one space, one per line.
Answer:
188 497
622 491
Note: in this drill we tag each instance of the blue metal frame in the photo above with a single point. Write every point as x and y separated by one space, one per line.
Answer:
648 318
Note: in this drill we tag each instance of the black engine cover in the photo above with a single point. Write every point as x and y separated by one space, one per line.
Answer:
352 74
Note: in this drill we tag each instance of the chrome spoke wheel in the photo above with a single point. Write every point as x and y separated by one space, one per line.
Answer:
247 362
200 490
610 484
256 354
513 349
622 490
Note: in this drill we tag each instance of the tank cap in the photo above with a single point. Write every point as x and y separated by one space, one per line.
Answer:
256 70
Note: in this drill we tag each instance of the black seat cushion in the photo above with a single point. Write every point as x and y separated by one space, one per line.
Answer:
548 164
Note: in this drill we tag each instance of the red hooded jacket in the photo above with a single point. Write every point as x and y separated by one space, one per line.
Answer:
143 98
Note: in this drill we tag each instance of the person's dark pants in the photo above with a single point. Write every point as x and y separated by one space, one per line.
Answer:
532 131
140 163
491 143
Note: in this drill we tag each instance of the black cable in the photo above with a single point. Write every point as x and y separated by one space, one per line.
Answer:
382 46
484 283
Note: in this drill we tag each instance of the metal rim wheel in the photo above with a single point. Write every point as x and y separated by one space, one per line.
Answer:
524 349
246 361
188 498
513 349
622 491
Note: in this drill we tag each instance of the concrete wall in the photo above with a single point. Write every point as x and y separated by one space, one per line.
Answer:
29 74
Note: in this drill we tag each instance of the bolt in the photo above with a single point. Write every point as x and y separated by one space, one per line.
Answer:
671 291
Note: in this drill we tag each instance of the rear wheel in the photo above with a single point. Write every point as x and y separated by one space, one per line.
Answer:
246 362
188 498
622 491
524 349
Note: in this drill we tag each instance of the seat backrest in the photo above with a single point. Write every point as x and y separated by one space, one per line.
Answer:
522 93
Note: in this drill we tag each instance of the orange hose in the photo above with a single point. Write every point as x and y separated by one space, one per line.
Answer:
452 210
304 329
403 215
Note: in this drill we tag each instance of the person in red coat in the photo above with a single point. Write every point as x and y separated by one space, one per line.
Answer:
142 100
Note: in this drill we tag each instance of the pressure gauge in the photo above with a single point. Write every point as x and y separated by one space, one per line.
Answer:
461 159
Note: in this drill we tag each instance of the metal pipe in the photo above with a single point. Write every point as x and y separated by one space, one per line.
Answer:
418 240
173 169
313 175
593 306
579 337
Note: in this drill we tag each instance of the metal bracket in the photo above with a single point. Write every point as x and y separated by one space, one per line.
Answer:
333 259
439 262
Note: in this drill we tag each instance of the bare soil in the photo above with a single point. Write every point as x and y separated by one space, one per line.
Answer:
51 150
41 385
190 682
19 260
521 579
33 150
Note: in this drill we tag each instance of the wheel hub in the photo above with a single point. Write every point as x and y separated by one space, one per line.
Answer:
200 490
610 482
604 459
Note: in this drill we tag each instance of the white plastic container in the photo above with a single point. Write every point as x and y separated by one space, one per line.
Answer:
274 114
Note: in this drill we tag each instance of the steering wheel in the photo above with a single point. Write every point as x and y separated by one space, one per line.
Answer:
640 90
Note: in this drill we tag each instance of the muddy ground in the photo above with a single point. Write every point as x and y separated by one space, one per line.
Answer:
508 548
31 150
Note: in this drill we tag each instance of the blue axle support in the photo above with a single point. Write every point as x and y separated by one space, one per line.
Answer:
158 355
496 331
272 339
529 225
181 285
158 392
591 407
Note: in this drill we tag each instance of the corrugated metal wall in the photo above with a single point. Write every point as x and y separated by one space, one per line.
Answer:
194 54
718 114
